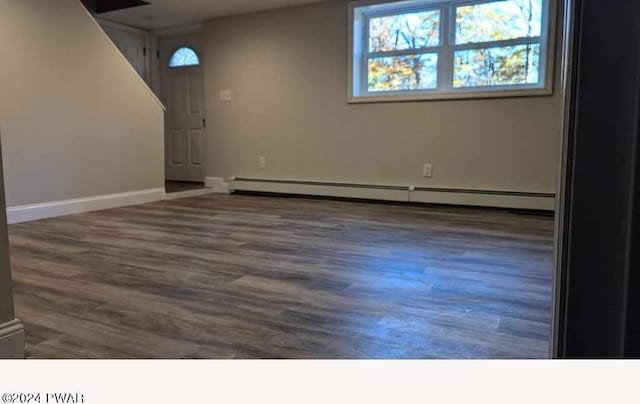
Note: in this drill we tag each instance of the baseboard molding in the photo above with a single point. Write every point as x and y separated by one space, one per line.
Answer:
218 184
28 213
445 196
12 340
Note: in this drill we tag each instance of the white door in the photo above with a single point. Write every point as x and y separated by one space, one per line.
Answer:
133 46
183 89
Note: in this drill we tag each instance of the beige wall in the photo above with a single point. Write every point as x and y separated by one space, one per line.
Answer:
76 120
288 73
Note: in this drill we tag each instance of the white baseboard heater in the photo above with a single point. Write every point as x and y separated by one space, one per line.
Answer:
445 196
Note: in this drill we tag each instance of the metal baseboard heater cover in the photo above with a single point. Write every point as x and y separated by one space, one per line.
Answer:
452 196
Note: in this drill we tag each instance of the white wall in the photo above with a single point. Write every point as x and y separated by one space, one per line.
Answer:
76 120
288 73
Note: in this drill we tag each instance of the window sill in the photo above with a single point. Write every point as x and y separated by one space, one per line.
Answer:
467 95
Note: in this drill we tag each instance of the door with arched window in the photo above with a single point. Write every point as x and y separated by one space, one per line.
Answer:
182 91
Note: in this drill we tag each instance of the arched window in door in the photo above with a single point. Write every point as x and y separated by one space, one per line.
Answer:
184 57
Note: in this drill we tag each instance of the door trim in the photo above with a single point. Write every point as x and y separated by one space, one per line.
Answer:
564 176
595 315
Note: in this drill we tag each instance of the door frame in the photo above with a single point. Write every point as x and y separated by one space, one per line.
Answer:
561 219
189 37
595 313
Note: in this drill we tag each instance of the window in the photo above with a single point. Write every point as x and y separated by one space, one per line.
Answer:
430 49
184 57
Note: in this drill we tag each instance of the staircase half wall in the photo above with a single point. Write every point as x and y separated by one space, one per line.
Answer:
76 121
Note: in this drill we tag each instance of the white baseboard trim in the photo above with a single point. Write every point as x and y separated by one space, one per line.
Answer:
218 184
482 198
12 340
28 213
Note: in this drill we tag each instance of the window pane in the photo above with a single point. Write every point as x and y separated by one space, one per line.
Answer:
404 31
407 72
184 57
497 21
509 65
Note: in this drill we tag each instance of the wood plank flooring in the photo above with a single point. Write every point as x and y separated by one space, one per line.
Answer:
224 276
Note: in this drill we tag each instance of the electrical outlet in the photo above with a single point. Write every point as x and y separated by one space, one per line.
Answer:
427 171
262 162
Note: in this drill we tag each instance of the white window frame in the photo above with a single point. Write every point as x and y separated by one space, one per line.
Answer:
361 11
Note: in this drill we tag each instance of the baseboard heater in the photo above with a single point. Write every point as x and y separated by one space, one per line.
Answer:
445 196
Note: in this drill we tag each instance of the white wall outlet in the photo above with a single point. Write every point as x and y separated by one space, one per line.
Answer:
262 162
225 95
427 171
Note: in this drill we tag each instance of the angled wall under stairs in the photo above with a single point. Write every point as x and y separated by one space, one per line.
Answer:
76 120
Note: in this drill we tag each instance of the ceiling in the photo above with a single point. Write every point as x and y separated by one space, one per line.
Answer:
175 13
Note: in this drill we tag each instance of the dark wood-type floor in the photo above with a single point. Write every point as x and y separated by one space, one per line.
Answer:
258 277
179 186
